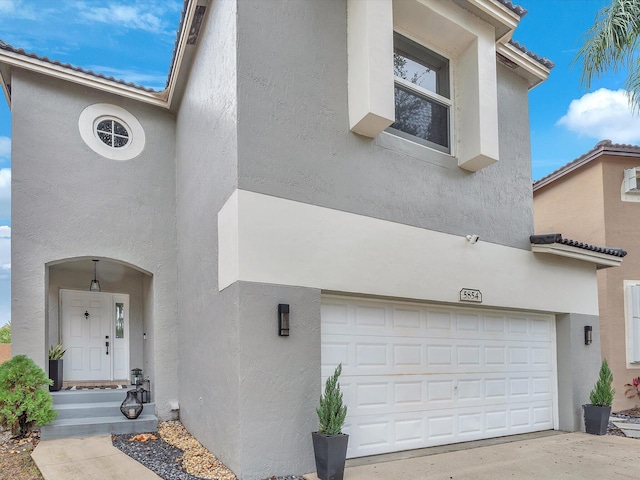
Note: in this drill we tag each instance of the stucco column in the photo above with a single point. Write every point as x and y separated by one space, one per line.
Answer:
578 366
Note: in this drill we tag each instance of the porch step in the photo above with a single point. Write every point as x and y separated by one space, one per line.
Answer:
89 396
82 427
95 409
95 412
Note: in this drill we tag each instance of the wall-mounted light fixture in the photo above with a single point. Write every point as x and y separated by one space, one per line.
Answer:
95 284
283 319
588 334
473 239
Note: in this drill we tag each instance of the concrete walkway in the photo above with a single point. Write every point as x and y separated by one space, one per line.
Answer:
82 458
556 456
563 456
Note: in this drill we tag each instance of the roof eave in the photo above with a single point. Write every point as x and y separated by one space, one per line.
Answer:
184 55
167 98
527 67
602 148
503 19
12 60
601 260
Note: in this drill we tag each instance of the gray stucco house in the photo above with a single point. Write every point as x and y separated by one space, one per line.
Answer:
365 162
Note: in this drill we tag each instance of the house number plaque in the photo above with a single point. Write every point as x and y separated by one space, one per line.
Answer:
470 295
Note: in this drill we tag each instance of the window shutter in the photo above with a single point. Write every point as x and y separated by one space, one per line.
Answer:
634 339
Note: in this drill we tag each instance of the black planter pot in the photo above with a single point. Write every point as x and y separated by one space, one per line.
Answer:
331 453
55 374
596 419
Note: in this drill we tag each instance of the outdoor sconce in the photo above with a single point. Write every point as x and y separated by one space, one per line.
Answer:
588 334
283 319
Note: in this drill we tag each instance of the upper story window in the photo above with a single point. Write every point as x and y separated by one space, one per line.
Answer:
112 133
422 94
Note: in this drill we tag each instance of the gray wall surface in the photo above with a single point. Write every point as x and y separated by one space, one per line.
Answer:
206 170
578 367
280 380
69 202
294 140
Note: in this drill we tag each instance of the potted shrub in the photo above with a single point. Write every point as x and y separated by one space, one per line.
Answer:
329 443
55 366
596 414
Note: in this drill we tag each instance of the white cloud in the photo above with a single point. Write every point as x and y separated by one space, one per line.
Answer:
8 6
5 147
5 251
17 9
5 196
5 274
128 16
603 114
152 80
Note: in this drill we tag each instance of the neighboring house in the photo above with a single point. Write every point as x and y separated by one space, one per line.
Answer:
5 352
596 198
284 164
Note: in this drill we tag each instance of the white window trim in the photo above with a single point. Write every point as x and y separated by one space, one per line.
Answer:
94 114
629 324
470 45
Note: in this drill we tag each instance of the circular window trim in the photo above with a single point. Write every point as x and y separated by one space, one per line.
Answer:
94 114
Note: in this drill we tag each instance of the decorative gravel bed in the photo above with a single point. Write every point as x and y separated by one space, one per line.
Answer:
173 454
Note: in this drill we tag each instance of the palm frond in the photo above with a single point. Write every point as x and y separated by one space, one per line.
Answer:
610 44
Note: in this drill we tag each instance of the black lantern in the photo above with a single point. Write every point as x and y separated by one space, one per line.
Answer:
283 319
136 376
144 391
132 406
588 334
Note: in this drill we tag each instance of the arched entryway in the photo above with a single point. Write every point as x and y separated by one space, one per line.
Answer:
106 332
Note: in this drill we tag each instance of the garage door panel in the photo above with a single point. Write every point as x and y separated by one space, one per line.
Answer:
367 355
418 375
384 394
375 434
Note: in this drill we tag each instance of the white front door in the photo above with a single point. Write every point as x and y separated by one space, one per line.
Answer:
95 334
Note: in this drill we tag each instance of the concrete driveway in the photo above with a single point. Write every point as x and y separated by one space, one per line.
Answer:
561 456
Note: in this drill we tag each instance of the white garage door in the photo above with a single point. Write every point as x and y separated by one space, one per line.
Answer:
417 375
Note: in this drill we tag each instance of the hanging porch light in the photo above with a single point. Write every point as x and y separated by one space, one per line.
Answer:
95 284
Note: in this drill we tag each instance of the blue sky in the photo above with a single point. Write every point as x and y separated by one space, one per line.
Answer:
133 40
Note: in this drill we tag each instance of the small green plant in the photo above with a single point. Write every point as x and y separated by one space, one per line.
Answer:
5 333
23 400
602 394
331 412
56 353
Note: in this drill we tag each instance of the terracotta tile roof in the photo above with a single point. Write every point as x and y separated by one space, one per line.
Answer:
5 46
517 9
541 60
549 238
602 147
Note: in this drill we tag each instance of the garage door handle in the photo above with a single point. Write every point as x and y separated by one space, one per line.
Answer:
107 344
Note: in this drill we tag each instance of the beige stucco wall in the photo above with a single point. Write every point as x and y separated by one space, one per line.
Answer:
577 195
5 352
586 205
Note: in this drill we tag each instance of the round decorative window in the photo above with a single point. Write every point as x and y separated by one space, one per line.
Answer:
111 131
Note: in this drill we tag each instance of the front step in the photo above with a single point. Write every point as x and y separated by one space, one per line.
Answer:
83 427
96 409
95 412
